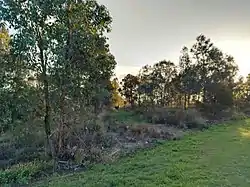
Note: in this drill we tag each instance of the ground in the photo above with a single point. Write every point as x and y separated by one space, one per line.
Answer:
219 156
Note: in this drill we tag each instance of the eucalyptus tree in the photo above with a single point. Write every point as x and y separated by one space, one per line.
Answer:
63 43
32 41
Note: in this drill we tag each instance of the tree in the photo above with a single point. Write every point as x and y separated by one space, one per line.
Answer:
5 79
146 86
4 39
63 44
248 85
4 55
156 83
85 65
32 42
17 97
129 88
117 100
188 77
201 50
216 70
242 93
162 78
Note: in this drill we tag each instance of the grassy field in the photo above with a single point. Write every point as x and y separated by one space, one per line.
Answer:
219 156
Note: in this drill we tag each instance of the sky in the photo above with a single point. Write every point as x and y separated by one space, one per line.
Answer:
147 31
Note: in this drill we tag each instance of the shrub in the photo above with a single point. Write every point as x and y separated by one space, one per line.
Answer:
232 114
162 115
238 115
149 131
23 173
177 117
125 115
20 145
246 110
110 122
84 138
193 119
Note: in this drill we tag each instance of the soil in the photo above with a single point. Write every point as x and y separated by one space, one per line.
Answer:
130 138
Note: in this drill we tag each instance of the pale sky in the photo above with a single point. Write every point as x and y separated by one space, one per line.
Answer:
147 31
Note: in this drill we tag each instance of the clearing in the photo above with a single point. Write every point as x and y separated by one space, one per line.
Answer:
219 156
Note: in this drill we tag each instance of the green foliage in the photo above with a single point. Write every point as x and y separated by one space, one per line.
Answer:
23 173
214 68
19 106
220 94
129 88
59 62
242 94
22 144
204 74
157 83
188 83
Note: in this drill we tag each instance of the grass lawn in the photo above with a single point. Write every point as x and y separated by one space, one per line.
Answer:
219 156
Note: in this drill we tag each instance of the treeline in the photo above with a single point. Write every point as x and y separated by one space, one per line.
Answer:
204 77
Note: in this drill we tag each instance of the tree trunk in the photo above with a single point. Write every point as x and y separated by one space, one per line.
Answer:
204 95
188 100
64 78
139 99
45 81
46 97
162 99
185 101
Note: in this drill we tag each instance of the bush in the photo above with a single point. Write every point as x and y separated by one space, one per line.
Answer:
149 131
246 110
176 117
193 119
23 173
20 145
110 122
232 114
162 115
84 138
238 116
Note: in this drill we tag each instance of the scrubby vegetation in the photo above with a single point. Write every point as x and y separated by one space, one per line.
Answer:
61 110
216 157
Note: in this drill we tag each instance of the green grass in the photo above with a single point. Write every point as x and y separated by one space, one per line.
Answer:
219 156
